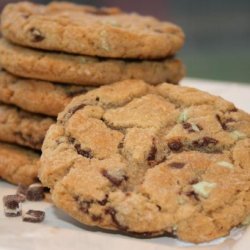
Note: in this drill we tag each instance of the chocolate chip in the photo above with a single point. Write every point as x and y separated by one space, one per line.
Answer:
117 181
96 217
194 181
71 140
84 153
204 142
85 205
104 201
177 165
159 207
75 92
233 110
175 145
35 192
112 212
192 194
223 125
152 152
37 35
34 216
120 145
97 99
12 206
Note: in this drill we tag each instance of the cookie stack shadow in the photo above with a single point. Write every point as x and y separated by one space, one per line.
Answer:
45 64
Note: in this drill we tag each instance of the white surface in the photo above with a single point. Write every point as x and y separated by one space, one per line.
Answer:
59 232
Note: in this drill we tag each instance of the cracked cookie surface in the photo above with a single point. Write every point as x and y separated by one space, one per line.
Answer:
86 30
23 128
151 161
84 70
18 165
37 96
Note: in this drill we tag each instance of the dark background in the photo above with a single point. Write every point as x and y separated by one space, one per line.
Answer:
217 32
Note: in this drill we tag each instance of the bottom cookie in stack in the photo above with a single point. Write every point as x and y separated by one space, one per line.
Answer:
18 165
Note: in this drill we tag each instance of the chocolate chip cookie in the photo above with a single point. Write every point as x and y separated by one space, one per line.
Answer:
84 70
90 31
23 128
150 161
37 96
18 165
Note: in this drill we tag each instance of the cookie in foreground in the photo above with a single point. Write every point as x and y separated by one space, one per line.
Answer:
151 160
89 31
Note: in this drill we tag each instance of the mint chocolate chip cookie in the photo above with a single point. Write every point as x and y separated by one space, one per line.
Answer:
151 161
89 31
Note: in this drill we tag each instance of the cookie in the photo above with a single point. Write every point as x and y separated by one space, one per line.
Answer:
150 161
18 165
83 70
37 96
23 128
95 32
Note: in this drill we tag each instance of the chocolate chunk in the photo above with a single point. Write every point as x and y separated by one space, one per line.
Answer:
97 98
204 142
37 35
84 153
175 145
112 212
152 152
35 192
12 205
117 181
34 216
177 165
21 192
104 201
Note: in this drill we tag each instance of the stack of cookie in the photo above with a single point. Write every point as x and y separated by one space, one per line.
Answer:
52 53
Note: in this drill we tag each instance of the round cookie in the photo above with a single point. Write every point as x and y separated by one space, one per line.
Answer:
151 161
18 165
90 31
37 96
84 70
23 128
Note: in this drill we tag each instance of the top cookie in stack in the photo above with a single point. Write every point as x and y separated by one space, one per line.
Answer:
100 46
